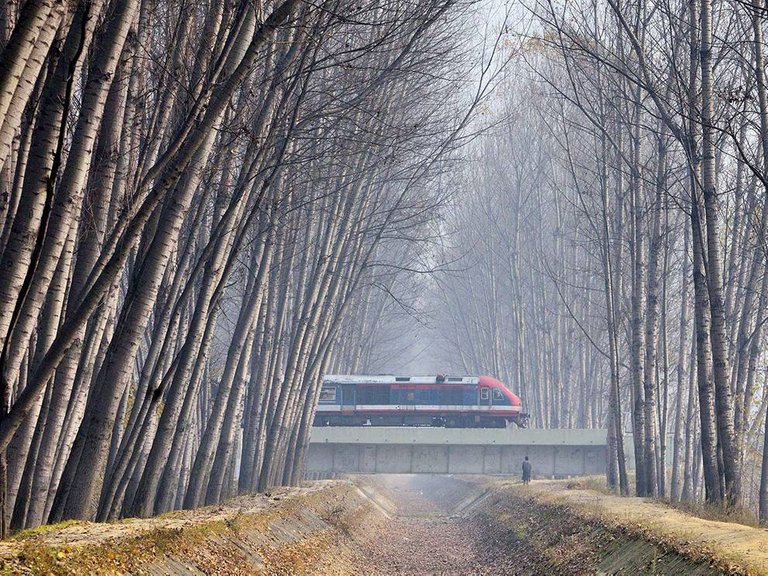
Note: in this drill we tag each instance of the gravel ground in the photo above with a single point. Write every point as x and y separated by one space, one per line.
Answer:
423 538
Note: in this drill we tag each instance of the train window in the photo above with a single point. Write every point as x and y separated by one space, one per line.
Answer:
484 393
455 379
451 397
373 395
328 394
497 395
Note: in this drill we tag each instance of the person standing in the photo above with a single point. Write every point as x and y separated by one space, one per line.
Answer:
526 471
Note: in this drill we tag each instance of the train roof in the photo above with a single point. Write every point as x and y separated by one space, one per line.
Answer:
397 379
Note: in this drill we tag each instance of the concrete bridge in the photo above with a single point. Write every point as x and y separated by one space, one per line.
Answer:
413 450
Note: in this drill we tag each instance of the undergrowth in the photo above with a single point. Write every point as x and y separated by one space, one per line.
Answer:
716 512
596 483
31 533
703 510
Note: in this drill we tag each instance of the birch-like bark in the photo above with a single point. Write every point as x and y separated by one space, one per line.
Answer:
683 396
714 269
706 389
22 63
21 254
639 279
81 493
70 189
169 169
242 333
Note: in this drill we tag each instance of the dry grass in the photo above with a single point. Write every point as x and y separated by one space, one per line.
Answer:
249 535
705 510
720 513
596 483
733 546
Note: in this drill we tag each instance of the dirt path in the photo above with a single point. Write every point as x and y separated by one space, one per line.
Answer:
423 538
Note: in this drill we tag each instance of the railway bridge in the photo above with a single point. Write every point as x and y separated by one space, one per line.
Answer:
426 450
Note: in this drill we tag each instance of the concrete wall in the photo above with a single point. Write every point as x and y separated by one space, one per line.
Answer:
370 450
471 436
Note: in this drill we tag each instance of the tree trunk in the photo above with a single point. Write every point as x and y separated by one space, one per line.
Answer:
714 266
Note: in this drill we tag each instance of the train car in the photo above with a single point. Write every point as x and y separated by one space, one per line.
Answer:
450 401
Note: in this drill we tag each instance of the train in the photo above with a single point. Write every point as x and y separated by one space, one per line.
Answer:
441 400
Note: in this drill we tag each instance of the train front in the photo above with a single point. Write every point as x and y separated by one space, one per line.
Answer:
512 407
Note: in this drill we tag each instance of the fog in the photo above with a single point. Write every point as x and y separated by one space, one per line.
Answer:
206 207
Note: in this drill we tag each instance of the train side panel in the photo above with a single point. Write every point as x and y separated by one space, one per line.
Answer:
403 401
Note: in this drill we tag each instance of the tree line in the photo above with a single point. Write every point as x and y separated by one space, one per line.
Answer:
195 198
615 219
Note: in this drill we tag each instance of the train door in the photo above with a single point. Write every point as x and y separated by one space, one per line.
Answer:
408 399
347 398
484 396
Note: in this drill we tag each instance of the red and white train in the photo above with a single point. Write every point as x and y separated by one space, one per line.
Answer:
386 400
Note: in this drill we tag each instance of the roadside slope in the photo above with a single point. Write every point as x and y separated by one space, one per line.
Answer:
732 548
372 525
289 531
